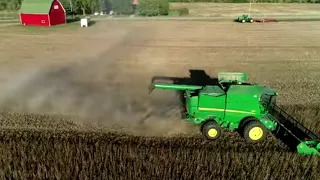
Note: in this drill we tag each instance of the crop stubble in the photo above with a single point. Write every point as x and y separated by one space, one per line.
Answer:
88 155
102 74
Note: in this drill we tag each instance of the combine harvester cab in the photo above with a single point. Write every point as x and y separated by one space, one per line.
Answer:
247 108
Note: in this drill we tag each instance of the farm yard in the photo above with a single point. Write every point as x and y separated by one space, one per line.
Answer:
75 101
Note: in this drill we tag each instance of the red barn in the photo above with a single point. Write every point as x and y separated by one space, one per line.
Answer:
42 13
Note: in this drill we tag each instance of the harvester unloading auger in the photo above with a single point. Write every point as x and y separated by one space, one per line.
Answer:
250 109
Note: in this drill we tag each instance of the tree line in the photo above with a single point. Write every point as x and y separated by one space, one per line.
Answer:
146 7
82 7
10 4
79 6
246 1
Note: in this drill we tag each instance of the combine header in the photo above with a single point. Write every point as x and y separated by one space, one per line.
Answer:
250 109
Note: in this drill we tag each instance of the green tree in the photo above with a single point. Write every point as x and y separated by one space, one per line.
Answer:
164 7
82 6
88 6
94 6
68 6
3 6
122 6
11 5
153 7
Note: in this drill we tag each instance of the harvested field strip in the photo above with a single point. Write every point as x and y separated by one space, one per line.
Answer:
36 154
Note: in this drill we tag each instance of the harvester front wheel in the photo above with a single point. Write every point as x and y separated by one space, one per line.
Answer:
254 132
211 130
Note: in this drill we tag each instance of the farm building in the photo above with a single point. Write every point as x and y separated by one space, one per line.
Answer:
42 13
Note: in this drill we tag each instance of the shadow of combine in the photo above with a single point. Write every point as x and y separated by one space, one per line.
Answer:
196 77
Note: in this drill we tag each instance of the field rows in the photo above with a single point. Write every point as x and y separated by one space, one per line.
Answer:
43 154
80 106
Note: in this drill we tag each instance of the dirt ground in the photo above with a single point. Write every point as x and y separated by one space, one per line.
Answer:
102 73
257 9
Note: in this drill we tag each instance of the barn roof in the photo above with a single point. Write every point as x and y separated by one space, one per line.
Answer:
36 6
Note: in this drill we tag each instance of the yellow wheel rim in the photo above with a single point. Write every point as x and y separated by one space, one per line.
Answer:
255 133
212 132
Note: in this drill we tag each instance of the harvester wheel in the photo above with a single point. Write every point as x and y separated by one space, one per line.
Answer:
254 132
243 21
211 130
243 124
251 20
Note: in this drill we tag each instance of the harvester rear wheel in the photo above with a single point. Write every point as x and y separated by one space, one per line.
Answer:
211 130
254 132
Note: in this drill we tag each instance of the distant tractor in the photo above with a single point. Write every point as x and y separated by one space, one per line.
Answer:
236 105
245 18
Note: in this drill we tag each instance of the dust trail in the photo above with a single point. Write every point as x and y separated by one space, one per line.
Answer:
92 91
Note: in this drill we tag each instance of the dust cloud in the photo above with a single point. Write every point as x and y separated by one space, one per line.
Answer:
95 91
77 91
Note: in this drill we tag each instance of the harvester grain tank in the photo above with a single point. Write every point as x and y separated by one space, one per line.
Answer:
236 105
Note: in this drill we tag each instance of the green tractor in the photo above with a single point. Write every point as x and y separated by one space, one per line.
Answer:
249 109
244 18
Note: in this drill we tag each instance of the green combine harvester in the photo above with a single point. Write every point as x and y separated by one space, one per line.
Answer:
249 109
